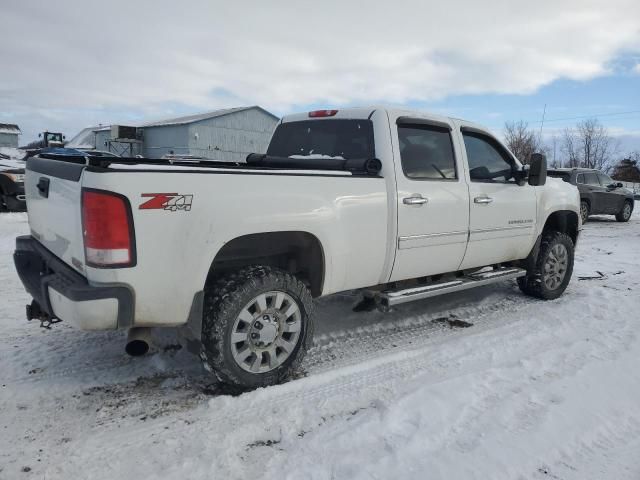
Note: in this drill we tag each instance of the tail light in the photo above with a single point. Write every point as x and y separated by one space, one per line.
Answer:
322 113
107 228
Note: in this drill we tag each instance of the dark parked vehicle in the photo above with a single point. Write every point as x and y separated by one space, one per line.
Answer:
12 185
599 193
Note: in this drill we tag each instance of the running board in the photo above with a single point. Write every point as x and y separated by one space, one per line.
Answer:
389 298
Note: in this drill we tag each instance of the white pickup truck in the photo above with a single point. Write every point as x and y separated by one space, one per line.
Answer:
401 204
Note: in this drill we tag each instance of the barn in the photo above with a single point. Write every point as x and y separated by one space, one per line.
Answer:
227 135
9 135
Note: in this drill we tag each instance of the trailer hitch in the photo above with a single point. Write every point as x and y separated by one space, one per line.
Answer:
34 311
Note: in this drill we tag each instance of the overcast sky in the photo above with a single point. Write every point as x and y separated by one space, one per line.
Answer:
68 64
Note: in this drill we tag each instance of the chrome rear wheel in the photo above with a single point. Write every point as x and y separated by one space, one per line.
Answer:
266 332
257 324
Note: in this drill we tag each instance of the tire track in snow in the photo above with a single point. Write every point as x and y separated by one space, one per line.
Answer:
361 385
65 354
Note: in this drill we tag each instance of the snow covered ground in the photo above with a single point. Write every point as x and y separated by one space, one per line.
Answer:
11 153
533 390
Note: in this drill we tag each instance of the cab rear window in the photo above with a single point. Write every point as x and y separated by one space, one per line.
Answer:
337 139
566 176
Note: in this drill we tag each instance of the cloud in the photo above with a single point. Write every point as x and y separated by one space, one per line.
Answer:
62 57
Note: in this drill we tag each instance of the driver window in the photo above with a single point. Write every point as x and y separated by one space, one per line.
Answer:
488 162
590 178
604 179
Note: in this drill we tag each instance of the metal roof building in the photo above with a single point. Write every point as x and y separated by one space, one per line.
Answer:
9 135
228 134
91 138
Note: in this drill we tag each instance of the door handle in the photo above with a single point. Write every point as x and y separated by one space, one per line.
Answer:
484 200
43 187
415 200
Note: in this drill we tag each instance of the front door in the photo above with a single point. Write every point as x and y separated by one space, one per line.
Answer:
613 197
433 199
597 192
502 212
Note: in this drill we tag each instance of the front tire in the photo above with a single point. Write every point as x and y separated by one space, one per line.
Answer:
257 325
3 205
553 268
584 211
625 214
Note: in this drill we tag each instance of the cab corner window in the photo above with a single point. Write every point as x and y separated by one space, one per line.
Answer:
488 161
426 152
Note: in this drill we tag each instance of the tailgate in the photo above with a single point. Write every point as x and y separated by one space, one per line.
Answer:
53 192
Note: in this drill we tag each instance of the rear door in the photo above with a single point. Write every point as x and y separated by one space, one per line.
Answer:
433 200
502 212
53 193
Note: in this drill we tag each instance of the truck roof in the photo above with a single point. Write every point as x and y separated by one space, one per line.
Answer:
367 111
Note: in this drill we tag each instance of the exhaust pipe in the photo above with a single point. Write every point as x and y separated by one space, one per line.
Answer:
138 341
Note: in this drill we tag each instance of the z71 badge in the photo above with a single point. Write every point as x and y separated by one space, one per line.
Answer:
167 201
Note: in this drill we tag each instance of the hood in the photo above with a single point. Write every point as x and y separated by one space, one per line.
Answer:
12 166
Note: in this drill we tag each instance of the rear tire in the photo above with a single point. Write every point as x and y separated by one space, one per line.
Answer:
553 268
257 325
584 211
625 214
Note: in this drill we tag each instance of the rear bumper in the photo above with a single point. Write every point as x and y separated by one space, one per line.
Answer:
65 294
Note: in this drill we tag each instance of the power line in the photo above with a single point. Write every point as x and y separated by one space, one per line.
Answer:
586 116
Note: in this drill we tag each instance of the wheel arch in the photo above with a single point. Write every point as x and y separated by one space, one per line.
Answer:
585 199
299 253
565 221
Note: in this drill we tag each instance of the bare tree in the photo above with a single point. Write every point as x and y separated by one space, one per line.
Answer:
551 149
521 140
634 156
569 149
627 169
589 145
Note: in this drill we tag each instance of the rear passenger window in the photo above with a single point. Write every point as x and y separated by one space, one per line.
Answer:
580 178
426 152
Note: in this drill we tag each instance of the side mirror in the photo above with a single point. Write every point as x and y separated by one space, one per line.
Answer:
538 170
619 185
521 174
64 137
40 135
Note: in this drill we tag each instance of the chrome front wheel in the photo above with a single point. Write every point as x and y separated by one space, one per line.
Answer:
555 266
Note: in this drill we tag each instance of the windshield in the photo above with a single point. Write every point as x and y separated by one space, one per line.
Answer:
337 139
54 137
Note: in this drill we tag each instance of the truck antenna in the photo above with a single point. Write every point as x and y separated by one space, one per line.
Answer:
544 112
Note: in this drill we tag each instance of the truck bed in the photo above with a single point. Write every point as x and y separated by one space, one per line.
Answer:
215 202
